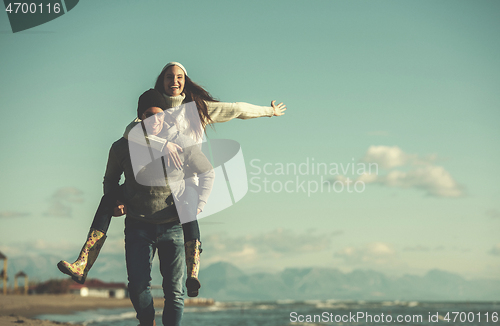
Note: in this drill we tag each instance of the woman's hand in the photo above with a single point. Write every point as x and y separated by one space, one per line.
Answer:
171 151
278 109
120 209
198 211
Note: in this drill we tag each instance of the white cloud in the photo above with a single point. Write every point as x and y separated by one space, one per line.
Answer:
417 248
38 247
435 180
420 172
493 213
495 250
113 245
62 200
13 214
275 244
386 157
376 253
423 248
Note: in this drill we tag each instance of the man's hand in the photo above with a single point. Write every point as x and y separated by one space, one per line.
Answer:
120 209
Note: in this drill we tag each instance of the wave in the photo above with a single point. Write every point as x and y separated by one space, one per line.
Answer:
276 313
110 318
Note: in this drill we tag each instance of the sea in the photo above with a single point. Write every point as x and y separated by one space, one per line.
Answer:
287 312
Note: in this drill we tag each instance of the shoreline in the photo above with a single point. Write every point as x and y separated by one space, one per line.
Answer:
15 309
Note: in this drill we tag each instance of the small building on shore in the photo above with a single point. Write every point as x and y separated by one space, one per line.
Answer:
199 302
98 288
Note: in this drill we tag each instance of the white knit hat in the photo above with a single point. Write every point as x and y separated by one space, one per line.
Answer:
173 63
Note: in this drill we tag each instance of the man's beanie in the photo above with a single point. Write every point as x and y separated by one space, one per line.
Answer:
150 98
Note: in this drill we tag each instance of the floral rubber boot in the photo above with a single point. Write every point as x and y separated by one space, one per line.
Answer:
193 250
79 269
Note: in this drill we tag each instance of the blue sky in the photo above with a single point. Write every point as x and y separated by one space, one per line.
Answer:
409 85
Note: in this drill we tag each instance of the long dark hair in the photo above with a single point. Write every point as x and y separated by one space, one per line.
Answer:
196 93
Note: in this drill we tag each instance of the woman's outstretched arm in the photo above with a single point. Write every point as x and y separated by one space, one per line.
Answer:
222 112
218 112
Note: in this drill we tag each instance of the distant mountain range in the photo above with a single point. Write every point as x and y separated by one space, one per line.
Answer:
225 282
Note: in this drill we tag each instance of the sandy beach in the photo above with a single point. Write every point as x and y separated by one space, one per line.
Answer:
20 309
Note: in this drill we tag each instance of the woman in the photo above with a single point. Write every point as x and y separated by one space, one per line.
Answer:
177 89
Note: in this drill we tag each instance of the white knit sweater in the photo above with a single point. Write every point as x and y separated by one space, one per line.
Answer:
218 112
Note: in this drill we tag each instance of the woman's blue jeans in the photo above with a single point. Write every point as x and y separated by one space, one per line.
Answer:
142 240
189 200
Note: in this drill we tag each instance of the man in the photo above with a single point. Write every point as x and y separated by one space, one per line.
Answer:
152 222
